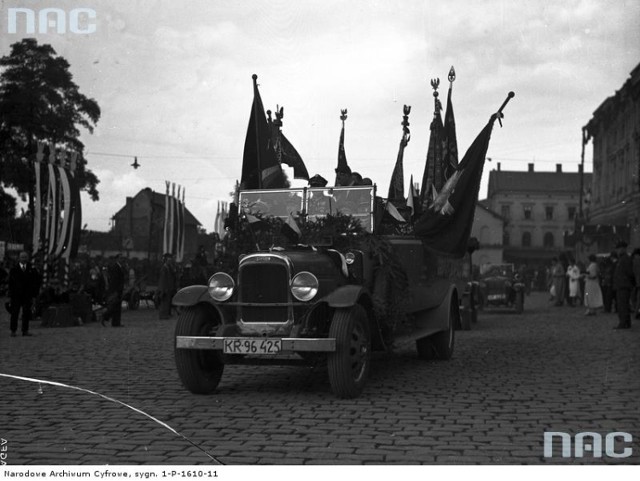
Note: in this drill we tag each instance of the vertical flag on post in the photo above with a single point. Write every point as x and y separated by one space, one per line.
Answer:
432 179
167 228
182 227
396 186
260 167
342 168
450 142
59 212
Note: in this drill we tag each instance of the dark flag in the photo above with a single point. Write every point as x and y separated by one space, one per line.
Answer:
291 157
343 168
396 186
433 178
446 225
260 167
450 143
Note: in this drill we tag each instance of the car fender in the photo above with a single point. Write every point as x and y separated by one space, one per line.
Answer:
346 296
192 295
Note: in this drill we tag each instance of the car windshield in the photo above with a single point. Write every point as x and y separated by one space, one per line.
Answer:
277 203
354 201
315 202
492 270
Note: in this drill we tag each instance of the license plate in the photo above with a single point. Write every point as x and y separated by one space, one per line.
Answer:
494 297
243 345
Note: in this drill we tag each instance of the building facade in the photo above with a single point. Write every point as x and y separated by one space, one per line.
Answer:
540 210
139 226
487 228
615 189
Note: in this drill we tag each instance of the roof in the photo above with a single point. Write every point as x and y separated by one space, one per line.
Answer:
158 200
481 204
535 182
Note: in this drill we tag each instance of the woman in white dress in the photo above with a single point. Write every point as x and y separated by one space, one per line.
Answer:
592 291
573 272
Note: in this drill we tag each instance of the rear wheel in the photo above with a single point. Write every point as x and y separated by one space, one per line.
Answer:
519 302
349 365
440 346
200 370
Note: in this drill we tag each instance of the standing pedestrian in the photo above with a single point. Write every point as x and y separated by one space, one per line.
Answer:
24 283
573 273
115 289
623 282
166 286
592 292
607 268
558 276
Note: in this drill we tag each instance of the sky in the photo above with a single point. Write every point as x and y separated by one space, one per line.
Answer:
173 81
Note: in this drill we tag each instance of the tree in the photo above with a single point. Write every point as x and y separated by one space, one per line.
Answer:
40 102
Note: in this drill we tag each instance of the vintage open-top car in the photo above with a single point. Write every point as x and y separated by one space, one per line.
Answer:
329 298
501 285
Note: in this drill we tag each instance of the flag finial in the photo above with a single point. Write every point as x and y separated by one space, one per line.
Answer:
499 115
452 75
343 115
406 135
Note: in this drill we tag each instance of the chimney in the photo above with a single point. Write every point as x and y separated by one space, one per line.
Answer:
498 166
530 167
580 168
559 168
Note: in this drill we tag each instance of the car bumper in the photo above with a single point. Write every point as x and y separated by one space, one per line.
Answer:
288 344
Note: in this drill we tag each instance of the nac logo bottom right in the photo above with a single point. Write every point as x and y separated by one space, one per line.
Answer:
616 444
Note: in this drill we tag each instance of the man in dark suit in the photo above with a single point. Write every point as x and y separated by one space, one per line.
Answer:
24 283
115 289
623 282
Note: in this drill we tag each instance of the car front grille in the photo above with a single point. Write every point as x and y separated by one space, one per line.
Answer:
264 282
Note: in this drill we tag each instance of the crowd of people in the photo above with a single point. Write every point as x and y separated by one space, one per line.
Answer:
609 283
97 286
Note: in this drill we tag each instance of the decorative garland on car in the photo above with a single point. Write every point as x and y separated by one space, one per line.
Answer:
341 232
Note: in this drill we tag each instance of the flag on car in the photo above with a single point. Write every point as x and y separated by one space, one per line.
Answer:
260 167
450 142
396 186
446 225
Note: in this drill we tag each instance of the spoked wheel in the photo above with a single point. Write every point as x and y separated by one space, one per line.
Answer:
200 370
440 346
349 365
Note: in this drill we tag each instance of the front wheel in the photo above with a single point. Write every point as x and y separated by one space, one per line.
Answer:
200 370
349 365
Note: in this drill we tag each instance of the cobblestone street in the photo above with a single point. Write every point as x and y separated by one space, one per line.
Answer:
511 379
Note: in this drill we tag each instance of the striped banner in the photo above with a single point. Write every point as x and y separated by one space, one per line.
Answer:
174 221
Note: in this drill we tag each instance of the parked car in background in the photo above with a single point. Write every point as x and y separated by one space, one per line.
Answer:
501 286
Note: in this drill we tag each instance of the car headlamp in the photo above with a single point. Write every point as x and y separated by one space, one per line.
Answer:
304 286
221 286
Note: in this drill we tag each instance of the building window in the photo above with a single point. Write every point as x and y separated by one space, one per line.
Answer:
548 212
527 212
505 210
526 239
548 239
571 211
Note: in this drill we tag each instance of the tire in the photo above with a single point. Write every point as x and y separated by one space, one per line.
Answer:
440 346
199 370
134 300
349 365
519 302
